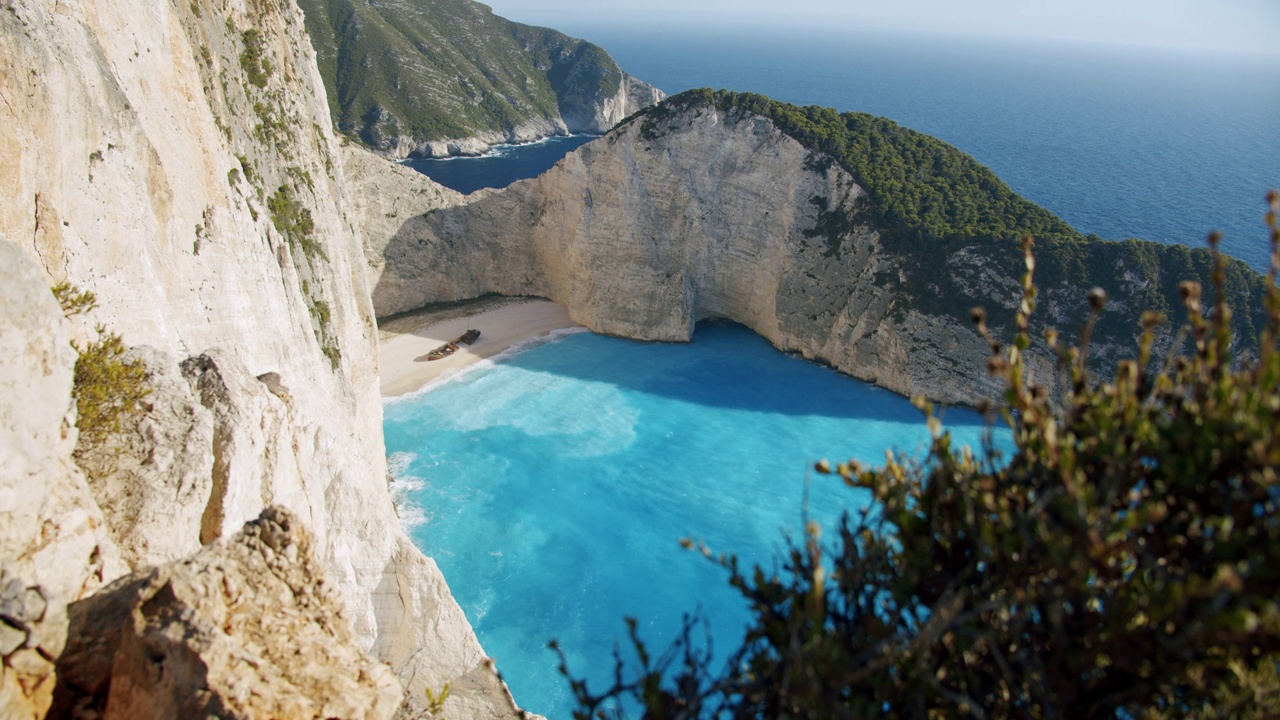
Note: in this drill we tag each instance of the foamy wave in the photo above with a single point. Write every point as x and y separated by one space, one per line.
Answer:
403 486
502 149
398 462
554 335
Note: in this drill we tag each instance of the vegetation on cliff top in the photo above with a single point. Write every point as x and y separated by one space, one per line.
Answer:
1123 563
929 200
447 69
916 181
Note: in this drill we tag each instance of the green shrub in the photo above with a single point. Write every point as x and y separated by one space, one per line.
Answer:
324 331
1123 563
332 353
253 60
107 388
294 222
435 702
247 167
72 299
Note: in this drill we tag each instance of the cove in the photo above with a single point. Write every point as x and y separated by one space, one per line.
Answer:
499 167
553 486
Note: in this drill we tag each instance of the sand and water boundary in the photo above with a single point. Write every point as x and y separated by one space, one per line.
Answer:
405 340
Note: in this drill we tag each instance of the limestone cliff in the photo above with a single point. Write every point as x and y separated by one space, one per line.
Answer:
708 208
175 158
54 544
448 77
644 238
246 628
386 195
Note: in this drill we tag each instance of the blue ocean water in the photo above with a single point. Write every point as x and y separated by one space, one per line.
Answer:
1155 144
501 166
553 486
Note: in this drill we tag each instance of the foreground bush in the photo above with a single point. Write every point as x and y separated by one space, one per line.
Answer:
1123 563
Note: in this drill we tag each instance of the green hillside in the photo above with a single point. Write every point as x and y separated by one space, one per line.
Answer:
446 69
929 199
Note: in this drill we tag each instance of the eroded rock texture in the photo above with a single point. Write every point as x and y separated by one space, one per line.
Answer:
246 628
176 158
54 543
724 216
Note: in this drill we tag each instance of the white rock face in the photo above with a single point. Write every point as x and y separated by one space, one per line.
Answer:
245 628
720 217
176 159
54 544
591 115
385 196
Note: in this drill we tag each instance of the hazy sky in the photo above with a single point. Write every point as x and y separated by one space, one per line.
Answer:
1245 25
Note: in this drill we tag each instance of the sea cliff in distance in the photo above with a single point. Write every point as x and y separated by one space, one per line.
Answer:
843 237
448 77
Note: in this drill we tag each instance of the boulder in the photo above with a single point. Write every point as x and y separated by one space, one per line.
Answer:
246 628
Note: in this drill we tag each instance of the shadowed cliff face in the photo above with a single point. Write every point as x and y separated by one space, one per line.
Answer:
709 210
723 216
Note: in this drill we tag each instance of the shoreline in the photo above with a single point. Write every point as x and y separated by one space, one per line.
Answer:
404 341
495 150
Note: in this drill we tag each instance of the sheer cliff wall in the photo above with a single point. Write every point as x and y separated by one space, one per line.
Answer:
706 208
175 158
644 237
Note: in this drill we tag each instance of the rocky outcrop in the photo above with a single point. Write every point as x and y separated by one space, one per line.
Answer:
176 159
707 208
153 480
246 628
643 238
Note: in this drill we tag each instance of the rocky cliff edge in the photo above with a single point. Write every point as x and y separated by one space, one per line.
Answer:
175 158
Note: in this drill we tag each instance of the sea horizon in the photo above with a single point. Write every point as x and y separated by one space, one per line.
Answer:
1121 142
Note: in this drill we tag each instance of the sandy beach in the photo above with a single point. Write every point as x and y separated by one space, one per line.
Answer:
405 341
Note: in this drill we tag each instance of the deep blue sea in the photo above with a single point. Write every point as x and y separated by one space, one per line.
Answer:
499 167
1154 144
553 486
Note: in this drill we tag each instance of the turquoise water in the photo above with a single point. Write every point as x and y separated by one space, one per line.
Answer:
553 486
